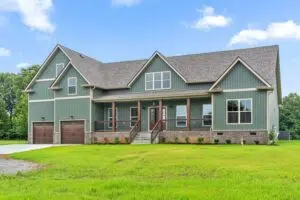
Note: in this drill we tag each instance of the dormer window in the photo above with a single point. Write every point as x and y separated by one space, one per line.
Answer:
158 80
72 85
59 68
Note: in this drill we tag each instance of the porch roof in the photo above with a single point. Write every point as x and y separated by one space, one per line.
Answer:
153 96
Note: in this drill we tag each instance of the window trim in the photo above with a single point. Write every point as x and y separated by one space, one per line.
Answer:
63 64
203 115
181 116
131 116
239 112
108 117
69 78
162 80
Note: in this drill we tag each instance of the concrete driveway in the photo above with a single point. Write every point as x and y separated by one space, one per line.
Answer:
15 148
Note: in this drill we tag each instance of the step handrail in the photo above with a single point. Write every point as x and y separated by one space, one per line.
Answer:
156 129
134 131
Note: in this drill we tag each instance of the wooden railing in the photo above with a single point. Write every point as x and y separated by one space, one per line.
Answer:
156 129
121 125
134 131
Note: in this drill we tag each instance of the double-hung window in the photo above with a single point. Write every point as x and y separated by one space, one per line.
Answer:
239 111
206 114
109 117
133 116
72 85
181 116
59 68
158 80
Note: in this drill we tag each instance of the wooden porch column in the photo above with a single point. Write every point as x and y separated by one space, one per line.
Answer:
139 111
160 110
113 108
188 112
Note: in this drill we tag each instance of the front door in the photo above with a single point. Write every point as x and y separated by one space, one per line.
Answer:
154 116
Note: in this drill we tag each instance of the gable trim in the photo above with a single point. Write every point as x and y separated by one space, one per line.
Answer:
229 69
63 72
156 53
44 64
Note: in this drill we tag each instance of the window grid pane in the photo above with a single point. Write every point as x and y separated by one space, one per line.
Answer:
158 80
239 111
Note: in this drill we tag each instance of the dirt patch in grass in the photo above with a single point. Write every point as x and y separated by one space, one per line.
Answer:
9 166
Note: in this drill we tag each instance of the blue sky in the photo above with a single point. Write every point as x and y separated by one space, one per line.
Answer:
113 30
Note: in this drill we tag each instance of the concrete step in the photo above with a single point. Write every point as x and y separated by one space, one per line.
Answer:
142 138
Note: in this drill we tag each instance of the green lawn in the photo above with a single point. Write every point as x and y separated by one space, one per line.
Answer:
3 142
159 172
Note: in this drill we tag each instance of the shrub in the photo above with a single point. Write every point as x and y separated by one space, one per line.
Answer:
163 140
187 140
200 140
117 140
106 140
256 141
176 140
244 141
228 141
272 138
216 141
126 140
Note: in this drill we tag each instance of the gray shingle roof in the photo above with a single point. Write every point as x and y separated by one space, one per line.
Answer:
204 67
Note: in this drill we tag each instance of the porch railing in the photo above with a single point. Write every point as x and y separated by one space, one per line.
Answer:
182 124
121 125
134 131
158 127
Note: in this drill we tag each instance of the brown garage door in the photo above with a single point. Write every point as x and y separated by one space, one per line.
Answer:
43 132
72 132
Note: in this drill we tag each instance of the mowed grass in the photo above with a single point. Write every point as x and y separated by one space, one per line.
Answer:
159 172
4 142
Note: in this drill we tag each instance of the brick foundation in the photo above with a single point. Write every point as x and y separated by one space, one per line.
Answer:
109 137
235 137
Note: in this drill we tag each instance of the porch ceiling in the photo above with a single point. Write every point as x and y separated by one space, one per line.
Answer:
153 95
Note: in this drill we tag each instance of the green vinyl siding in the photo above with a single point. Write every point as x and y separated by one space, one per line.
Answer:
177 83
78 108
259 110
81 91
38 110
41 91
50 70
240 77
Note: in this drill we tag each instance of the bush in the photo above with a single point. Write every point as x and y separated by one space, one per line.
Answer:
256 141
187 140
162 139
126 140
216 141
228 141
200 140
176 140
272 138
105 139
117 140
244 141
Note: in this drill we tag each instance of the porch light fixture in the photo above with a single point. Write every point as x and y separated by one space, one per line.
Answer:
43 118
143 108
171 106
71 116
153 103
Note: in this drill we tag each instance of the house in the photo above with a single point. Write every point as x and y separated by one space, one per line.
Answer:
226 96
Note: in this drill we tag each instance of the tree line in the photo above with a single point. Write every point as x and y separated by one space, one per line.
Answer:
14 108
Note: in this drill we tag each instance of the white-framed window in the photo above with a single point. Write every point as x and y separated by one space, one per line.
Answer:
181 116
133 116
59 68
109 117
158 80
72 85
206 114
239 111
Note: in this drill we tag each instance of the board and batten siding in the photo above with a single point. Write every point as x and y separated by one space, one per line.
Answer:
240 77
63 83
177 83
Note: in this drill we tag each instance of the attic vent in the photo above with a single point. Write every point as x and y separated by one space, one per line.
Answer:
81 56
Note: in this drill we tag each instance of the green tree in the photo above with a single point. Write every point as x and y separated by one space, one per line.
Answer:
290 115
3 120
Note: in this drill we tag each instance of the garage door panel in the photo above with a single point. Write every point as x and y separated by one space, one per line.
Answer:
43 132
72 132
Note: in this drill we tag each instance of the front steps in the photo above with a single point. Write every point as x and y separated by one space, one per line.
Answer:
143 138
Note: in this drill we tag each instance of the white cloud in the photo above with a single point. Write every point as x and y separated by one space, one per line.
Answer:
277 30
210 19
4 52
127 3
34 13
22 65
